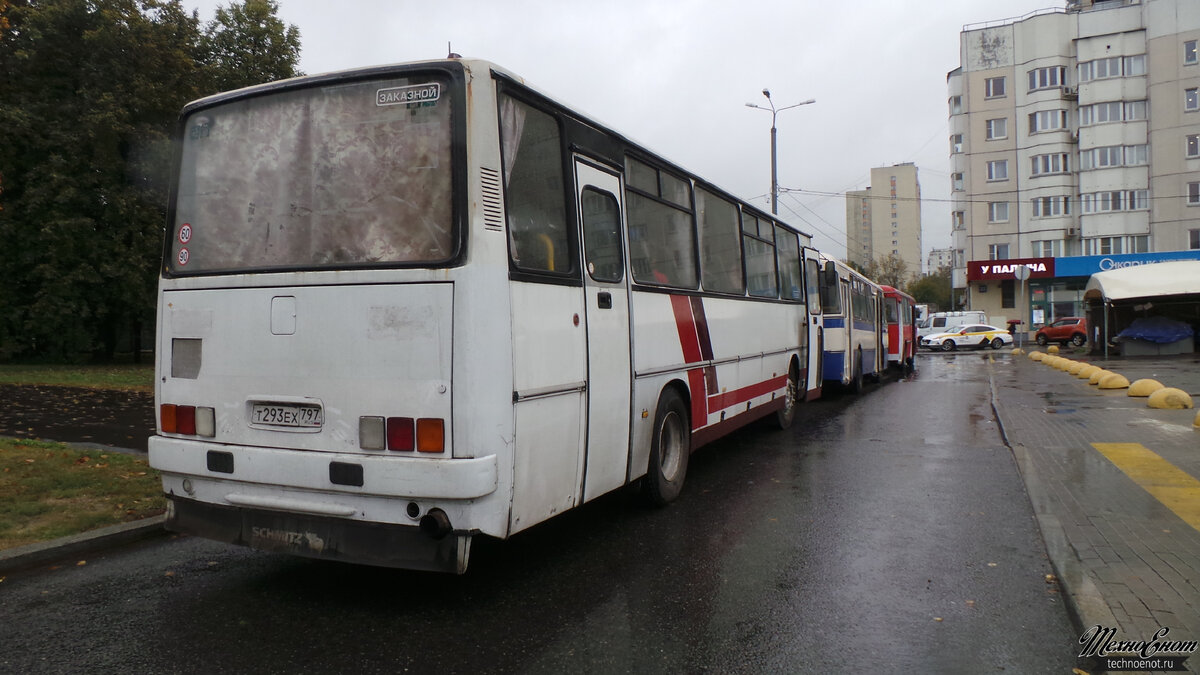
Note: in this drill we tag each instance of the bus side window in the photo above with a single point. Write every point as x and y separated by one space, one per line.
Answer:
662 236
812 279
758 240
787 248
720 250
538 236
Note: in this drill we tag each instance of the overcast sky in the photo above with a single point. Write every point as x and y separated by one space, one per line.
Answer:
675 75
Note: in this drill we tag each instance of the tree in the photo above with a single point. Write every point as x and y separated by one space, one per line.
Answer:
88 104
890 270
933 289
247 44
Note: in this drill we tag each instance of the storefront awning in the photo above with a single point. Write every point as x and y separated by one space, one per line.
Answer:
1181 277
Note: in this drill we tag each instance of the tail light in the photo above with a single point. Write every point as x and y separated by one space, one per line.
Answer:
188 420
402 434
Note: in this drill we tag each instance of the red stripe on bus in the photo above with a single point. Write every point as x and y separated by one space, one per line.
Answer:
689 341
731 398
706 350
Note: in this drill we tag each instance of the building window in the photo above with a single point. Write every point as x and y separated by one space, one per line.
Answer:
1134 65
1115 200
1194 239
994 87
1191 99
997 129
1058 162
1193 194
1047 248
997 251
1049 207
997 212
956 181
1046 78
1008 294
1136 155
1100 69
997 170
1047 120
1100 158
958 220
1193 145
1114 155
955 105
1135 110
1099 113
956 144
1189 52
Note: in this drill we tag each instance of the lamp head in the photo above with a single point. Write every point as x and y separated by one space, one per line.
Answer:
767 93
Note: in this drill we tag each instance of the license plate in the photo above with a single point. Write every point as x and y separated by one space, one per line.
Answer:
287 415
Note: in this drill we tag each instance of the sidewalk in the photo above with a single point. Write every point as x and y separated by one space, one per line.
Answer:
1125 559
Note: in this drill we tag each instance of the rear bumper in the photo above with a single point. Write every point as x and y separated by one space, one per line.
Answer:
312 536
381 475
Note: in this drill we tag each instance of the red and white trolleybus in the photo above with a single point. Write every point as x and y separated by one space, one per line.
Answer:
899 312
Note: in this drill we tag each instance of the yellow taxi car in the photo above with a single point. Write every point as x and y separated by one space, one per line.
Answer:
968 335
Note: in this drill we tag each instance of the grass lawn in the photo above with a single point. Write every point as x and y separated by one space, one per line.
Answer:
126 377
50 490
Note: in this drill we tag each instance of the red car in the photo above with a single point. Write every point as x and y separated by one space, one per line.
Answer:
1072 329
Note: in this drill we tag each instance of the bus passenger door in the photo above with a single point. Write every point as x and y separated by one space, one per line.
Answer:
816 337
606 298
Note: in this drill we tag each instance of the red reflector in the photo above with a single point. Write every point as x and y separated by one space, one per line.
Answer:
400 433
185 417
166 417
430 435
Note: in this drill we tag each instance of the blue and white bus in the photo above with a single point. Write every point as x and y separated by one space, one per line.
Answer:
855 336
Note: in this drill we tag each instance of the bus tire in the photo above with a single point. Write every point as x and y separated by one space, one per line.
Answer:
670 445
856 376
785 415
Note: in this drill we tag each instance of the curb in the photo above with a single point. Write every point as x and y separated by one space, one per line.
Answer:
1085 604
84 543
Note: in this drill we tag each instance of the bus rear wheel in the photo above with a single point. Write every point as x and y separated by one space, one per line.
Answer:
670 446
856 377
785 415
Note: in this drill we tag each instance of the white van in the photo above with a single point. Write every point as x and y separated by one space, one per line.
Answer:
938 322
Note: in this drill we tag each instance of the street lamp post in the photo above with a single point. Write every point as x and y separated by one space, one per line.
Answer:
774 165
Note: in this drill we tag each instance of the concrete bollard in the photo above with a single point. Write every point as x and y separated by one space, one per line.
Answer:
1144 387
1114 381
1169 398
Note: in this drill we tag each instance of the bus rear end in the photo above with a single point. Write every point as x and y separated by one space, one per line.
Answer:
306 317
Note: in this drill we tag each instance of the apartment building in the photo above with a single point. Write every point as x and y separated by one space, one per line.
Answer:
885 218
939 258
1074 148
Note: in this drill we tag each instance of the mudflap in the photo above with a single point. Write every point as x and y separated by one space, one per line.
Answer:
326 538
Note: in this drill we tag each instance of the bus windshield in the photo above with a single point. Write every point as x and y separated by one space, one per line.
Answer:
349 174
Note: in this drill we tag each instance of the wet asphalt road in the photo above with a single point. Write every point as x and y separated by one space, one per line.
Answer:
887 533
77 415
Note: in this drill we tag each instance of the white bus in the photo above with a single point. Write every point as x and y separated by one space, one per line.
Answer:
404 306
855 336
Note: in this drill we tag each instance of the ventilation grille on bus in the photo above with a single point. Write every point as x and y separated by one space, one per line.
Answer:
493 214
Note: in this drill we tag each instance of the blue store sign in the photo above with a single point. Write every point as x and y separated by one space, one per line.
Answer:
1087 265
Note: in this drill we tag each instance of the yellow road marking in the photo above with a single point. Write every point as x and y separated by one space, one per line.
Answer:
1168 484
